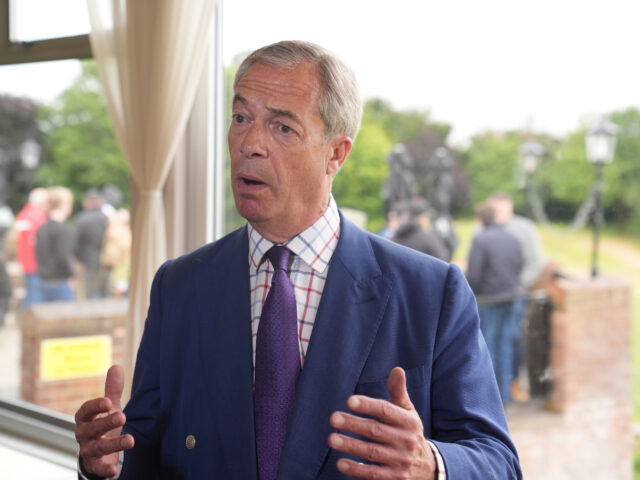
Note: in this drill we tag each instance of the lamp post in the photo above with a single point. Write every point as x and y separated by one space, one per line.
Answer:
600 146
530 154
30 154
30 151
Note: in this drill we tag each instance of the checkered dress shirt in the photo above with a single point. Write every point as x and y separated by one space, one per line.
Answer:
312 250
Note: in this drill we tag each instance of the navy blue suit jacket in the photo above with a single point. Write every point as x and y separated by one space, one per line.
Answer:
383 305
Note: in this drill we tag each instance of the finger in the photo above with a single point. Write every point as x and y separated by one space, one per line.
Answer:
373 430
110 425
371 451
100 468
384 411
360 470
114 385
97 449
397 386
89 409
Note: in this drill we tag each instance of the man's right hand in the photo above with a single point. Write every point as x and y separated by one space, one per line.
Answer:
99 423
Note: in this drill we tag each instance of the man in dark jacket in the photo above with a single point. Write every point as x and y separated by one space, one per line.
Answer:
54 241
493 271
91 224
414 231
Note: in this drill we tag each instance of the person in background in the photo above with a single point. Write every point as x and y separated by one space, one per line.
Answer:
90 225
493 270
393 221
415 231
6 220
379 366
524 229
115 258
28 221
54 245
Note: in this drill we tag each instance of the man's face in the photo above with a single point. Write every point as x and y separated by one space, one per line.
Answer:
503 210
281 165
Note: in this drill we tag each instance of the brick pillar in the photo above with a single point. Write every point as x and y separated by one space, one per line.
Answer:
586 430
66 332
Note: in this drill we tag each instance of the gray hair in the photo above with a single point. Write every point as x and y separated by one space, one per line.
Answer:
339 104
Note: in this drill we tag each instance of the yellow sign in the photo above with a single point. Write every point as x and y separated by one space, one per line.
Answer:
75 357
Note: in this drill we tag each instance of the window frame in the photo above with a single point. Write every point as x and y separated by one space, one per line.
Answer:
77 46
45 433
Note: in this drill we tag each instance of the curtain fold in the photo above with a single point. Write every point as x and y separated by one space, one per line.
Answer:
150 54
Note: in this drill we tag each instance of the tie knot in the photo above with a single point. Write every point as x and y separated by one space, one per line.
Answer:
279 257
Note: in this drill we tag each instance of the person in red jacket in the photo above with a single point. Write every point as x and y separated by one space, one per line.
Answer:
28 221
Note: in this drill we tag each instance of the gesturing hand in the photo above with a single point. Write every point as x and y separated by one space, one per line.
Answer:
397 448
98 426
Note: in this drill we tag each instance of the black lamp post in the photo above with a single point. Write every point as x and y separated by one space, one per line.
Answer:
600 145
531 154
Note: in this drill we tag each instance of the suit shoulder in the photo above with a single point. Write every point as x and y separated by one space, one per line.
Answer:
394 255
219 250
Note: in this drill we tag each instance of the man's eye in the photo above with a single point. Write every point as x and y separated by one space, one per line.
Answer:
237 118
285 129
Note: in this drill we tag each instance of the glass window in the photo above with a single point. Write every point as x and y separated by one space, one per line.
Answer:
455 93
64 224
32 20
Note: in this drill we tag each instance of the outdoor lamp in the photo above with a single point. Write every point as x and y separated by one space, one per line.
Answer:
30 153
530 155
600 146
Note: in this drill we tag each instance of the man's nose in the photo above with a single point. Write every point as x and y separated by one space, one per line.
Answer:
254 142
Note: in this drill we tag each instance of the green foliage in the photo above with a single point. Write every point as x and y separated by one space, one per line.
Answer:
81 148
570 177
360 180
402 126
565 178
491 162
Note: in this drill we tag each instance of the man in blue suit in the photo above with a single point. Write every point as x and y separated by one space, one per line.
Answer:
395 379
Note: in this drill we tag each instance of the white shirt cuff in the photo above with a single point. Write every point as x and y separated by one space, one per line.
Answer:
441 473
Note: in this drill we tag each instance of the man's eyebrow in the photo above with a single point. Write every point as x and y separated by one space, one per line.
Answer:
273 110
284 113
238 98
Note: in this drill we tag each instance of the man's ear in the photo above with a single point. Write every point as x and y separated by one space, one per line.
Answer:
340 146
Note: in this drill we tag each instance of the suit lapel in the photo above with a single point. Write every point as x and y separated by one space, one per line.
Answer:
352 306
223 297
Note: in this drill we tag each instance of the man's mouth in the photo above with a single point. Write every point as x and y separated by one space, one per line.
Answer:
250 181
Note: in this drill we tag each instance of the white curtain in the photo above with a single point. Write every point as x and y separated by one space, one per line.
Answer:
150 55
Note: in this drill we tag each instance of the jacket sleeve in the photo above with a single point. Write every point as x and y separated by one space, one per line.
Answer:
143 411
469 427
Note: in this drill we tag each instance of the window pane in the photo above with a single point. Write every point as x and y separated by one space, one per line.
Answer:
451 91
32 20
64 323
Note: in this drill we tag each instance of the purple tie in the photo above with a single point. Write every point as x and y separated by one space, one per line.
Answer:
277 365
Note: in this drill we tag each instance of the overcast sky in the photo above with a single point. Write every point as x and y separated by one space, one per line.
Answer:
478 65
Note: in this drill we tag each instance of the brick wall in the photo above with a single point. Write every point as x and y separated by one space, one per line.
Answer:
584 430
65 321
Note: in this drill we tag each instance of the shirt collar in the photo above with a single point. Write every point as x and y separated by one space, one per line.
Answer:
314 246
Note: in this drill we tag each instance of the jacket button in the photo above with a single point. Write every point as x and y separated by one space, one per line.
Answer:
190 442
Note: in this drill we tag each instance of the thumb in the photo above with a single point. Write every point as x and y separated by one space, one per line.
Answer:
114 384
397 386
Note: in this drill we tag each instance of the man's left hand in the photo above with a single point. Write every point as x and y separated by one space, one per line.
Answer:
398 448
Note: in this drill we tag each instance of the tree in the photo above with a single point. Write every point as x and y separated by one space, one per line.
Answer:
570 177
81 148
360 180
490 162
